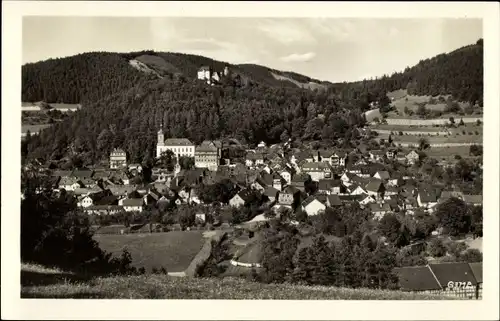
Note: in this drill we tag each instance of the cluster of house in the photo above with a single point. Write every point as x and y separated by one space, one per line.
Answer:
339 181
280 174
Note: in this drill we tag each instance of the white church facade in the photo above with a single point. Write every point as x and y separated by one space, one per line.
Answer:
178 146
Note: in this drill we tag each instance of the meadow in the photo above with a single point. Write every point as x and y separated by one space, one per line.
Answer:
167 287
172 250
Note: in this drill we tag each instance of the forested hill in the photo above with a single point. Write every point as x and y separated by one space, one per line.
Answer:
123 103
459 73
89 77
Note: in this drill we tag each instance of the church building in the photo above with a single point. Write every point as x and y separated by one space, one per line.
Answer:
179 146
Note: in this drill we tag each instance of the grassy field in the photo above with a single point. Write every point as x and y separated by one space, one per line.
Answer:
56 284
34 128
171 250
402 100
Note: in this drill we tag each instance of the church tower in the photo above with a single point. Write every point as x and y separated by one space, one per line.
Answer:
177 168
161 142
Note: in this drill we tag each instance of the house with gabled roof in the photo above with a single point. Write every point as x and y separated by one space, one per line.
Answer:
412 157
68 183
417 279
379 209
427 199
298 181
365 199
132 204
271 193
355 189
331 186
302 156
346 178
288 195
382 175
312 206
82 173
375 187
376 155
241 198
256 182
286 174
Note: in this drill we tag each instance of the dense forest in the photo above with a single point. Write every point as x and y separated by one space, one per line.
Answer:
459 73
123 106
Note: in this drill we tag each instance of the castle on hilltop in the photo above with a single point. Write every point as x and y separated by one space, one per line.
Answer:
211 76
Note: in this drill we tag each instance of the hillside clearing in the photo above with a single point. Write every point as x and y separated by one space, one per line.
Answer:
166 287
171 250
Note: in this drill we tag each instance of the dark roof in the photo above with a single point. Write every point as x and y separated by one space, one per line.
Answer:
455 272
334 200
133 202
245 194
473 199
427 196
309 200
326 184
384 174
375 207
82 173
178 142
416 278
375 185
271 192
477 270
290 190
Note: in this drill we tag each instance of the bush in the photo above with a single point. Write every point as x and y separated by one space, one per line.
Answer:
436 248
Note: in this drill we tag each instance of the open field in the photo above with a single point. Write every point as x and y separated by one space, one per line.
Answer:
56 285
400 100
442 141
33 128
171 250
34 107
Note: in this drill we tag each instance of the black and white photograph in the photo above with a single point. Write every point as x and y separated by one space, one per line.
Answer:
229 158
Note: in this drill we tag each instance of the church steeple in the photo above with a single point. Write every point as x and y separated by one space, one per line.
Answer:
161 136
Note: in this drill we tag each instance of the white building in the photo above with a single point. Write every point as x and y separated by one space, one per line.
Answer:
312 206
118 159
179 146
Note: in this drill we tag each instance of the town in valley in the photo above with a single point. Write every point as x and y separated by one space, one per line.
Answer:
173 167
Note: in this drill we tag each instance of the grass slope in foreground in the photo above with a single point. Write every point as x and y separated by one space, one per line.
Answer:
166 287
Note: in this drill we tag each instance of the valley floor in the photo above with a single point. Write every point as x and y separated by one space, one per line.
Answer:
39 282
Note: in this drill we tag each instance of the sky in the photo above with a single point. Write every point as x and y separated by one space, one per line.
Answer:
333 49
